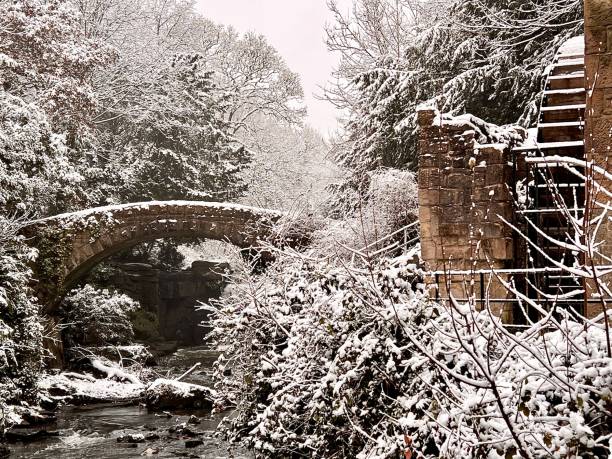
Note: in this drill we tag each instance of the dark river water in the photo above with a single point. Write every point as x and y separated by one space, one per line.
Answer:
93 431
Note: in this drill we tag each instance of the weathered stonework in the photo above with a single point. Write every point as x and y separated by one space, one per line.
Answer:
172 296
71 244
598 115
463 196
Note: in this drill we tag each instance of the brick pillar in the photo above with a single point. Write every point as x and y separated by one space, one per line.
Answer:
462 192
598 128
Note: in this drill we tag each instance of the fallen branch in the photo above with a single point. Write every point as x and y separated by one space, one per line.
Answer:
188 372
114 372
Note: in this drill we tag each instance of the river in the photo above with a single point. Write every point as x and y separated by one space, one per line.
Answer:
95 430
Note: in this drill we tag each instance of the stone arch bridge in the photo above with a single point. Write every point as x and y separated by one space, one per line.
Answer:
71 244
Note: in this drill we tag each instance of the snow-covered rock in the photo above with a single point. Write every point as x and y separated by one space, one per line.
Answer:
83 388
169 393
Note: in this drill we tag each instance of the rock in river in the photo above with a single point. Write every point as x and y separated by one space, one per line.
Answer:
169 393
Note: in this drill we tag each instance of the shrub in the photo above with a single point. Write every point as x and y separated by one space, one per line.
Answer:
91 316
390 204
329 361
20 329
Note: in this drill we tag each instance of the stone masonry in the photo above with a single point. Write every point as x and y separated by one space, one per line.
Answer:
598 115
82 239
172 296
463 192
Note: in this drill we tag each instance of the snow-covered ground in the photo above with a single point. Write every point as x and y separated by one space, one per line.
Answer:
78 386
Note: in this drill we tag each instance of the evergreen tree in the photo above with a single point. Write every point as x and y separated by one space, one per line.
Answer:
485 57
46 102
179 148
20 324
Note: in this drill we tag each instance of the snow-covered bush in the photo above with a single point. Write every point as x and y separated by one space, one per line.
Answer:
92 316
20 329
325 360
389 203
394 194
381 219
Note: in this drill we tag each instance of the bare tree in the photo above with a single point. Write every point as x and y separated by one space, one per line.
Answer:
367 33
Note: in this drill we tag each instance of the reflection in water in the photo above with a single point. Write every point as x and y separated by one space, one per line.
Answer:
93 431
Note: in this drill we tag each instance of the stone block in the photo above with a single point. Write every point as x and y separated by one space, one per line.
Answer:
121 233
591 64
454 214
429 219
106 240
87 251
599 139
479 180
600 65
479 171
490 230
428 160
445 162
448 230
479 215
596 40
456 128
491 193
597 13
459 162
426 116
496 174
424 214
432 136
440 148
452 197
503 209
498 248
451 250
428 250
607 101
492 154
457 146
454 262
595 104
429 178
429 197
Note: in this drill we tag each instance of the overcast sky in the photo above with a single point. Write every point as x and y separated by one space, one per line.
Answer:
295 29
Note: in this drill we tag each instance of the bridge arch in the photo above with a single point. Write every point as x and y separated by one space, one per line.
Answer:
71 244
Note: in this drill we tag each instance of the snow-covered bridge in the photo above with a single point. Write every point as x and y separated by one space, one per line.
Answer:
71 244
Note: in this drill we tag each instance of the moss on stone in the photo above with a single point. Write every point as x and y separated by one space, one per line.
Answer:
145 324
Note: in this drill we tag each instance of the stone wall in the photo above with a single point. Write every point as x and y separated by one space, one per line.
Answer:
598 129
173 296
463 192
71 244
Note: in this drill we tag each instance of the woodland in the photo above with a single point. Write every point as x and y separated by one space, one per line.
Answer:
335 349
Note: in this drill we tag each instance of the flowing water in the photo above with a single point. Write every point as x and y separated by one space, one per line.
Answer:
93 431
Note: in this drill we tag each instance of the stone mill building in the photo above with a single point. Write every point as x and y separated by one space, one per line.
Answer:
502 211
